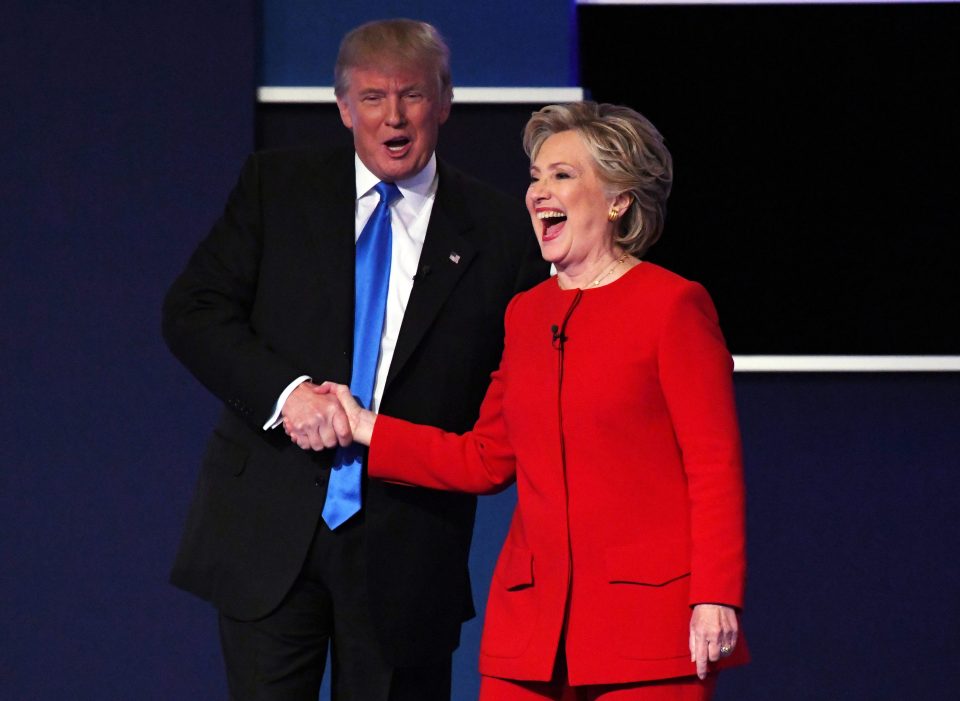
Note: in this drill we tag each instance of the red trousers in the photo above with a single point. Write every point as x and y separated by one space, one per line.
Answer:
681 689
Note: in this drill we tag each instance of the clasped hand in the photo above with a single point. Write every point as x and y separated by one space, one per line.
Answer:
323 416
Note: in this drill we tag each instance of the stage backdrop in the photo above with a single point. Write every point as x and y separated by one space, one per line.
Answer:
127 124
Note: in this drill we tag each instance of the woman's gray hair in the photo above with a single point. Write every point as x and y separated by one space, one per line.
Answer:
394 42
629 155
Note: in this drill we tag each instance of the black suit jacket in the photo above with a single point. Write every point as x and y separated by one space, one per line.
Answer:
268 296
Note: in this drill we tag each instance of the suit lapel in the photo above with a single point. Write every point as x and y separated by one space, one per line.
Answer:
329 249
330 224
446 255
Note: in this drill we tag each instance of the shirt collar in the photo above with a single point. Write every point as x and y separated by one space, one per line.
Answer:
415 190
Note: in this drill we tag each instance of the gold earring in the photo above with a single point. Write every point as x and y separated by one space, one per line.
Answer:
614 214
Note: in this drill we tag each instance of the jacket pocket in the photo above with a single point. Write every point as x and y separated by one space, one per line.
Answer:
512 606
515 570
653 567
648 588
225 455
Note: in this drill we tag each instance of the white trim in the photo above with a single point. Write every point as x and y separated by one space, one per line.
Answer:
323 94
846 363
269 93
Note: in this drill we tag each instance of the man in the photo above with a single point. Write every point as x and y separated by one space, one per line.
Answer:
265 305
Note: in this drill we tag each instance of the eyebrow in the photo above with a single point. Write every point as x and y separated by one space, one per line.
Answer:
412 87
555 165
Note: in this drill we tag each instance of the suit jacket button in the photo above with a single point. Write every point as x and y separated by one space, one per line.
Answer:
318 481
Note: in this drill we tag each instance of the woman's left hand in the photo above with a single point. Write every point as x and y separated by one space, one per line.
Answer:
713 634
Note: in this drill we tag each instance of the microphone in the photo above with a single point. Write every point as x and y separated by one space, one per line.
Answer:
558 335
423 272
559 331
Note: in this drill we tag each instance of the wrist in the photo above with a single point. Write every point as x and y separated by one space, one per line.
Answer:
363 432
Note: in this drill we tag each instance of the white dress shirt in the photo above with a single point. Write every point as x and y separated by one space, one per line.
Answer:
409 217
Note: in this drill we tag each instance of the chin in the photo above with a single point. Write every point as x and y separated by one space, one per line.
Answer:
550 253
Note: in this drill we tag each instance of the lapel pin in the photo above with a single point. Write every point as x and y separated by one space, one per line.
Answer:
454 256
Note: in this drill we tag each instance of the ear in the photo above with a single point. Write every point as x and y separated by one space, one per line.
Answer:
621 202
345 117
444 110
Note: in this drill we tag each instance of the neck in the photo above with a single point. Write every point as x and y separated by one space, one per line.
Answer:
596 272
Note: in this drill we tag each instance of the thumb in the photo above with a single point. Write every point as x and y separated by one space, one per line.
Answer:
346 399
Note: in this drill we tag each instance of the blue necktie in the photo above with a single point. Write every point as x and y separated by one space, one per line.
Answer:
370 302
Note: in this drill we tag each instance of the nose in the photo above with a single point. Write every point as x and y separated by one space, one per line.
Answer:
395 116
538 190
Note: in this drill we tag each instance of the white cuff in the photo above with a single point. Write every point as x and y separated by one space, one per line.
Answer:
275 418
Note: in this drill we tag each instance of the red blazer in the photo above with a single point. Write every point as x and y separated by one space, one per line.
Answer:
629 478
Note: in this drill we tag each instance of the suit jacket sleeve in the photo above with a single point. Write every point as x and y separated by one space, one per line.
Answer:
696 376
478 462
207 311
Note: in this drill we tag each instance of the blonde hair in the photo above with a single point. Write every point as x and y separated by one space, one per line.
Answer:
394 42
629 155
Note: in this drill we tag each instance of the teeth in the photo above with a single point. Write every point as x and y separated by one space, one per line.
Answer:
551 214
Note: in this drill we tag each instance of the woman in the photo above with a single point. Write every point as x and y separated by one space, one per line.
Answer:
613 410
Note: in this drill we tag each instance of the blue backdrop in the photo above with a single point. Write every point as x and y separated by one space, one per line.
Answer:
495 43
126 124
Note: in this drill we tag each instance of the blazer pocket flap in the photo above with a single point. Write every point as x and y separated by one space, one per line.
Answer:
515 569
226 454
650 566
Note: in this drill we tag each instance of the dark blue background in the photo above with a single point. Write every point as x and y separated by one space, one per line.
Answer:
499 43
125 126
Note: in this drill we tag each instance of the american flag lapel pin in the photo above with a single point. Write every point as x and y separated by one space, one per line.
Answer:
454 256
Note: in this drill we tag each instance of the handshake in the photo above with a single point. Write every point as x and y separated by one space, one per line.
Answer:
323 416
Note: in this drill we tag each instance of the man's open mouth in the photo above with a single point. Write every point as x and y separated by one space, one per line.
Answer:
397 144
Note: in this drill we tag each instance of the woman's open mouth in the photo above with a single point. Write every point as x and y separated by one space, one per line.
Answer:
552 222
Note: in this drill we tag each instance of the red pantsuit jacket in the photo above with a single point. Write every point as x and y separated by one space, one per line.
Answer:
629 478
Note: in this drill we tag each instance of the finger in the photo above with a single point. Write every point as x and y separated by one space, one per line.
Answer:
702 657
346 398
327 387
328 436
713 651
341 427
729 627
314 439
693 646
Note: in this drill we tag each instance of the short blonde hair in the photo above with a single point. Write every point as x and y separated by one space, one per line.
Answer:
394 42
629 155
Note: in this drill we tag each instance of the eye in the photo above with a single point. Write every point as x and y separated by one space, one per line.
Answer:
533 179
414 96
561 175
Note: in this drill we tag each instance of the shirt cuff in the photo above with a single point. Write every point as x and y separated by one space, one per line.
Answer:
275 418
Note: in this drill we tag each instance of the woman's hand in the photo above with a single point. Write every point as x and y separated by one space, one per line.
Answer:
361 420
713 633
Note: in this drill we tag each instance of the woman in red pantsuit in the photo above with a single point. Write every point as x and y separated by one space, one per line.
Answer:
622 574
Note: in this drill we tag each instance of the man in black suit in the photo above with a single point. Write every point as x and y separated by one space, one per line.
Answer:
265 305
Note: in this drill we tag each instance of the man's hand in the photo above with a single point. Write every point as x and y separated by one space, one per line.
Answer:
314 419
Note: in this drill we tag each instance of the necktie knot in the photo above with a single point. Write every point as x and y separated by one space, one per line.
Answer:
388 192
